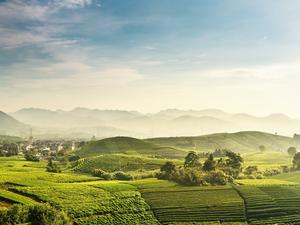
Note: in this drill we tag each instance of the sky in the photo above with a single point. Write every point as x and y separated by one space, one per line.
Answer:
149 55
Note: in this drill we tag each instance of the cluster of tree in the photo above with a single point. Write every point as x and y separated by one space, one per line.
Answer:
252 172
31 155
42 214
9 149
52 167
120 175
212 172
217 153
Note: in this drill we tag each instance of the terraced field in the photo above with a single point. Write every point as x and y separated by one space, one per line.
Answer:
97 201
89 200
271 204
194 204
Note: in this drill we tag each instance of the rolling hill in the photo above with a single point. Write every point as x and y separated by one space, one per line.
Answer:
248 141
11 126
130 146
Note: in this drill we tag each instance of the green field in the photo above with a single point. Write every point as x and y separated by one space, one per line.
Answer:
89 200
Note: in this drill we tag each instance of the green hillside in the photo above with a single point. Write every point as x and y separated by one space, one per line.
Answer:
127 145
240 142
117 162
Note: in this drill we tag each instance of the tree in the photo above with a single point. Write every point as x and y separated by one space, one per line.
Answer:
209 164
234 164
191 160
292 151
262 148
31 156
52 167
234 160
168 167
296 161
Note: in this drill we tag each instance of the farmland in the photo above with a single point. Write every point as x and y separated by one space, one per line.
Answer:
88 199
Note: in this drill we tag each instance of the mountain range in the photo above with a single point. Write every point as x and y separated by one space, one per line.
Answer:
85 123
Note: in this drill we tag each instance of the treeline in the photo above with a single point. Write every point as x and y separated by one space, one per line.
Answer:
9 149
119 175
217 153
211 172
41 214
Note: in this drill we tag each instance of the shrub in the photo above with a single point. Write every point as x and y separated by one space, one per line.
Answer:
52 167
17 214
259 176
30 156
42 214
250 170
122 176
73 158
218 178
46 215
251 177
102 174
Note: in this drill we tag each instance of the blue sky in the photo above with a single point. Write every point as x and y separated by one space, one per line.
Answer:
240 56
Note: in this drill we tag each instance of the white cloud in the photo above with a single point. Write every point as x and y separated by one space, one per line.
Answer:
18 10
72 3
13 38
45 31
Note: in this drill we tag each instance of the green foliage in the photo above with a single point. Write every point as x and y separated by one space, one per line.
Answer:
73 158
46 215
120 175
250 170
168 167
17 214
191 160
40 214
212 172
31 156
52 167
209 164
102 174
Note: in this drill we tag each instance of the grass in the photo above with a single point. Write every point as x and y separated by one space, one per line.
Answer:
290 177
267 160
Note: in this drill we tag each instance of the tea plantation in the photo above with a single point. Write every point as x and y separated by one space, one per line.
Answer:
89 200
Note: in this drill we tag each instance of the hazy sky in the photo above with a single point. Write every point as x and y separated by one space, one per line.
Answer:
147 55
